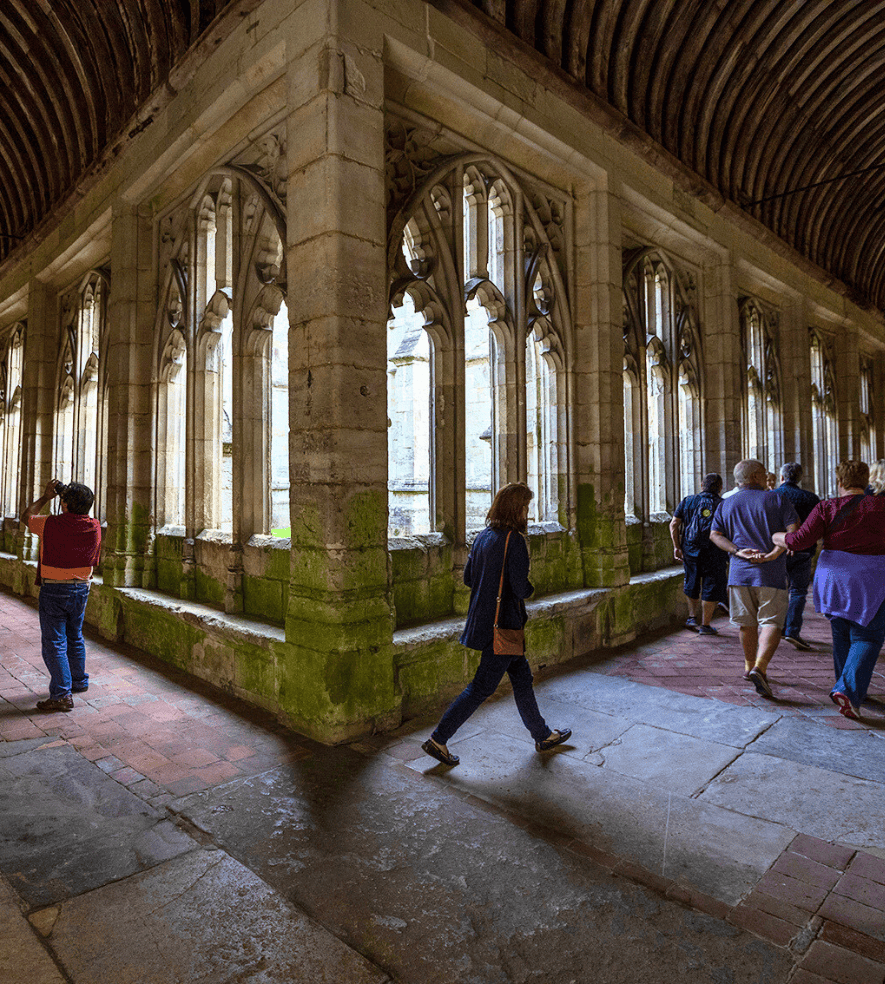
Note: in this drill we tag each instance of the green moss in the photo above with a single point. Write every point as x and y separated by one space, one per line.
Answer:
209 589
263 598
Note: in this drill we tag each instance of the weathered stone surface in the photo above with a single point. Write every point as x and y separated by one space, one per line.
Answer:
711 720
20 948
817 801
429 885
66 827
199 918
853 753
716 851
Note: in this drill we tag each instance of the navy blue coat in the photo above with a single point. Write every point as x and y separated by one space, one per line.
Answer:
482 574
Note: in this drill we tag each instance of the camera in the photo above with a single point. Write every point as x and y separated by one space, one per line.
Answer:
61 489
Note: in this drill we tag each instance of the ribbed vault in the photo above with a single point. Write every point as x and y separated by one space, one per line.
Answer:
73 73
758 97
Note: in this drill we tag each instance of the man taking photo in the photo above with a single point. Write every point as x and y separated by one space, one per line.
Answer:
70 544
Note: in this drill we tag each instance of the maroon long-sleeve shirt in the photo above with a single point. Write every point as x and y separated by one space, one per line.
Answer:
861 532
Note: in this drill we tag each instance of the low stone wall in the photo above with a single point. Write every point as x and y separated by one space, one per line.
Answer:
252 659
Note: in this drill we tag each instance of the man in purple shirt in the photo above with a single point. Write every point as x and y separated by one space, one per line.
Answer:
757 576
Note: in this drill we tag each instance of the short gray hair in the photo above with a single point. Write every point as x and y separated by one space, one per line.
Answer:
745 470
791 472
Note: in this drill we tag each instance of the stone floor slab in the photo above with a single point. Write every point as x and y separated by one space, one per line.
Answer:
710 849
442 891
23 958
202 919
67 827
853 753
677 763
698 717
816 801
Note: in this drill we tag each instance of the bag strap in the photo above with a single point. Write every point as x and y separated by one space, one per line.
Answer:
501 582
844 512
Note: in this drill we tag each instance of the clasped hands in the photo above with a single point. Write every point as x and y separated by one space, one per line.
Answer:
756 556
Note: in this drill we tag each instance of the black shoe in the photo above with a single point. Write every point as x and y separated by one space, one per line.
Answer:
440 752
691 623
553 739
797 642
79 690
707 630
760 682
65 703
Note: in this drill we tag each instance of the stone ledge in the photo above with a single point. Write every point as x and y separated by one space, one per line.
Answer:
199 614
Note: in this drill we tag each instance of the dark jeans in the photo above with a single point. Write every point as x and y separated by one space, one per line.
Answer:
855 651
799 574
491 670
62 607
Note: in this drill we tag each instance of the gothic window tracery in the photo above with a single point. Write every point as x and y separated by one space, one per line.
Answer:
662 401
222 418
80 449
824 421
762 408
474 269
11 368
867 412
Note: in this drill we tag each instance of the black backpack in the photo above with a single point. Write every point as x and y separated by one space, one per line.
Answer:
697 532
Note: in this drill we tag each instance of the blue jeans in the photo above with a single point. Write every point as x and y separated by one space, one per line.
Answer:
855 651
799 574
62 608
485 682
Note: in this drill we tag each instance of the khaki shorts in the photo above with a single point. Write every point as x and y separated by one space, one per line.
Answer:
749 605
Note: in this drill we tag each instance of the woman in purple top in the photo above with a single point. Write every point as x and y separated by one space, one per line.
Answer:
849 584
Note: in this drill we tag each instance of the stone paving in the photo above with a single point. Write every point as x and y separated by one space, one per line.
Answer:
347 844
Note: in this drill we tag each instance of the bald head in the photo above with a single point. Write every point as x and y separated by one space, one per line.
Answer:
750 472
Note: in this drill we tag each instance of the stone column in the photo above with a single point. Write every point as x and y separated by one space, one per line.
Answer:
338 679
598 408
725 371
846 368
39 368
795 385
129 362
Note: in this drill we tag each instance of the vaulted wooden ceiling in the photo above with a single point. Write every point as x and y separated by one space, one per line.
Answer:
759 98
73 74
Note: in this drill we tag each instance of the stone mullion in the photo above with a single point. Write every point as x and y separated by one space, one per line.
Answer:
846 373
130 351
336 676
459 415
229 250
598 409
516 246
724 372
39 358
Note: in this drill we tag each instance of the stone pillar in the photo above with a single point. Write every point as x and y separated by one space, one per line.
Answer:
39 369
129 362
338 679
846 368
725 371
795 387
598 408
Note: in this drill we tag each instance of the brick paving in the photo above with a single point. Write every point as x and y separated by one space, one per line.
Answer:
163 734
152 728
713 666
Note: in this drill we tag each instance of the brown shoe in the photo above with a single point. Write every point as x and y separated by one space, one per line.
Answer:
65 703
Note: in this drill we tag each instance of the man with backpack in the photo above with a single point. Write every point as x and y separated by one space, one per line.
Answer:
706 566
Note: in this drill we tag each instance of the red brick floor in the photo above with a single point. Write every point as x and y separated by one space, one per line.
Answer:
154 729
713 666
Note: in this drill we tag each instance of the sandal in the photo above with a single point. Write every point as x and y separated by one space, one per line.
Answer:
440 752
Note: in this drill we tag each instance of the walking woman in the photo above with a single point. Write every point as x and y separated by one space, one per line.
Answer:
497 573
849 584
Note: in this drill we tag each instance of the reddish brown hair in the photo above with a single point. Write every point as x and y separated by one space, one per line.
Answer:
852 474
508 509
